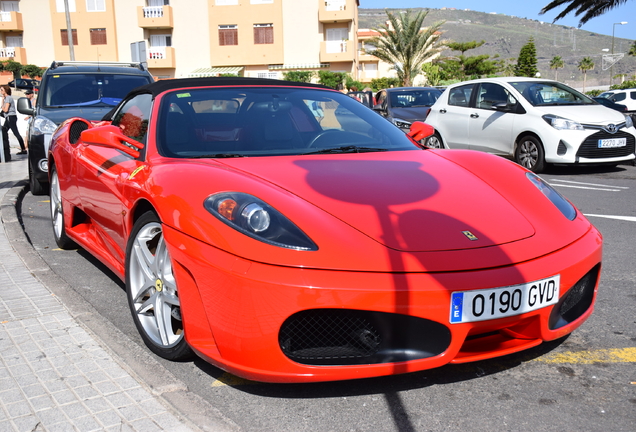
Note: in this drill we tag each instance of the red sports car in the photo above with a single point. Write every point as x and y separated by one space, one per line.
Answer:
284 232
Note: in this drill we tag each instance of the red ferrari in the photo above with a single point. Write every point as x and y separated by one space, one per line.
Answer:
284 232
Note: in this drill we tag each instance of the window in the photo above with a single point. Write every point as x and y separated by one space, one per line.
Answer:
158 2
59 6
492 94
65 36
133 117
263 33
10 6
95 5
14 41
460 96
98 36
268 75
228 35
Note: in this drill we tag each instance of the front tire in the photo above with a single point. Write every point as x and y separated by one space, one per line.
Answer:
57 215
152 290
36 186
434 141
529 154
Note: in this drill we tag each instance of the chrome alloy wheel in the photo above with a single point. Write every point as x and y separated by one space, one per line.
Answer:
528 154
153 290
57 215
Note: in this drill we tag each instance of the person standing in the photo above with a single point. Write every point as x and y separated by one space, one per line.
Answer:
11 120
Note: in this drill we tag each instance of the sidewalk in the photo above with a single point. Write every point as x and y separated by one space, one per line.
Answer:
54 374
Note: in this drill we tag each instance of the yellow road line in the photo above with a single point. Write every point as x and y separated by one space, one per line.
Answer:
231 380
614 355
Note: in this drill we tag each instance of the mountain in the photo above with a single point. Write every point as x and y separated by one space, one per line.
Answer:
505 35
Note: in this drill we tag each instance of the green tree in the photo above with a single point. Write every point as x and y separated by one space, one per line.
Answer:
585 65
432 73
299 76
334 80
462 67
588 8
351 84
32 71
557 63
13 67
632 49
382 83
527 61
405 45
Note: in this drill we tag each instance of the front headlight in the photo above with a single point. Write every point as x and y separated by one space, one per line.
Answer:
561 123
628 121
568 210
42 125
258 220
402 124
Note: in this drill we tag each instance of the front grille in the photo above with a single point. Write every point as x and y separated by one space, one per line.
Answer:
348 337
576 301
589 149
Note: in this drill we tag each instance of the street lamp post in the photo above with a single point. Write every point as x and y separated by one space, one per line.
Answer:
612 67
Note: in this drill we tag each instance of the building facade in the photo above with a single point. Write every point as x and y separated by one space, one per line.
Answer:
186 38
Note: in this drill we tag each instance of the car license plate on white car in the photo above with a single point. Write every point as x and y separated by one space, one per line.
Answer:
492 303
612 142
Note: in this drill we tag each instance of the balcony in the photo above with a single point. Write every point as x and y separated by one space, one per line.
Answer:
161 57
337 51
331 11
155 17
11 21
13 53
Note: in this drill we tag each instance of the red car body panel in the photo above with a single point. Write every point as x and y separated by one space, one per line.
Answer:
389 229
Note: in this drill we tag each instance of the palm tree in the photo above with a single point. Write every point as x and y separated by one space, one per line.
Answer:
404 44
588 8
557 63
585 65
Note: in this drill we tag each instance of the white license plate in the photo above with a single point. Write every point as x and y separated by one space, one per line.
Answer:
612 142
492 303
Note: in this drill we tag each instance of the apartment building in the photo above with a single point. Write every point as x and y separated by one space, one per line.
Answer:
186 38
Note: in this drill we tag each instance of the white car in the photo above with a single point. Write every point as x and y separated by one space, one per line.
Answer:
623 97
534 121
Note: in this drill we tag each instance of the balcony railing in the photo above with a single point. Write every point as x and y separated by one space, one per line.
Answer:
153 11
11 21
336 11
157 53
7 52
161 57
336 5
154 17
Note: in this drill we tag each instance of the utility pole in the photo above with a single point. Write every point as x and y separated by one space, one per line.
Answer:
69 31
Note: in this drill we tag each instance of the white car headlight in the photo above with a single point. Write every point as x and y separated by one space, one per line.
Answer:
561 123
628 121
42 125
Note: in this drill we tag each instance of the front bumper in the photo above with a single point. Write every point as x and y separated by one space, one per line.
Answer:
236 312
38 150
582 147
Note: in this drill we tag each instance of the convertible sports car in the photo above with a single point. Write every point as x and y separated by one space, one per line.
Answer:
284 232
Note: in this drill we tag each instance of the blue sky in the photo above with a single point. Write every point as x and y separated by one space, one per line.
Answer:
527 9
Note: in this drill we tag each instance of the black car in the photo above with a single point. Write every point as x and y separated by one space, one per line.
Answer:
24 84
404 105
73 89
611 104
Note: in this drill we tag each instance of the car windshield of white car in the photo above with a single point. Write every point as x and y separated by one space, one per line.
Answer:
222 122
550 93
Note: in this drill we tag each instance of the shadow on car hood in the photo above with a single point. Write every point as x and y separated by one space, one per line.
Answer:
58 115
407 200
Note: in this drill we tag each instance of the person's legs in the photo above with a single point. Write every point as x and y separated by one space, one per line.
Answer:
5 144
13 125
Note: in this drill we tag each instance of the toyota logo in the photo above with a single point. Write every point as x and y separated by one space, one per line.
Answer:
611 128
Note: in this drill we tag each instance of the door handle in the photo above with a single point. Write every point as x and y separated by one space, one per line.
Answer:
474 115
443 111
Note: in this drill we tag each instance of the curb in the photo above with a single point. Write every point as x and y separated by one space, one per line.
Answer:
195 411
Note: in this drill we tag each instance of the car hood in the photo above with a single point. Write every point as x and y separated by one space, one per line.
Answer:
592 114
58 115
410 114
412 201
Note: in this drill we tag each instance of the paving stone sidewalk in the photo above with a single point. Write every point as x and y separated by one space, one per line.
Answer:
54 375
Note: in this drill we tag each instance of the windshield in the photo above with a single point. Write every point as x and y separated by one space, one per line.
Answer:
86 89
265 121
550 94
414 98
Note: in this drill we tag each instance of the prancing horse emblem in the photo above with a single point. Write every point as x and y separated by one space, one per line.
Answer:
470 235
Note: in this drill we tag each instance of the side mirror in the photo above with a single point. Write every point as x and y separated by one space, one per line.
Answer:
112 137
502 106
23 107
420 130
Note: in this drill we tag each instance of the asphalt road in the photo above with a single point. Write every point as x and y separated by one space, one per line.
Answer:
585 382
